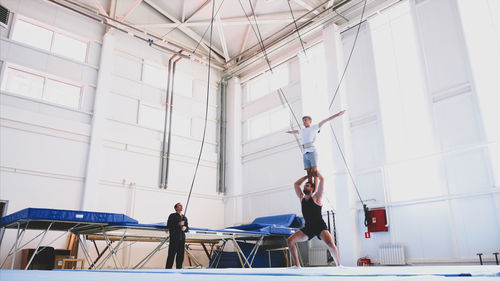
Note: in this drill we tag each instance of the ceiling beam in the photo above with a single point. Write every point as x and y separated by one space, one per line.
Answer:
197 10
222 38
276 18
183 17
100 8
236 21
130 10
306 6
189 32
247 31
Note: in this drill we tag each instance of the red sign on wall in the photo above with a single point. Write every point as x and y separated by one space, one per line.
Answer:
379 221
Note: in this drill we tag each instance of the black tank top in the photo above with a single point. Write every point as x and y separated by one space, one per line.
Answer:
311 212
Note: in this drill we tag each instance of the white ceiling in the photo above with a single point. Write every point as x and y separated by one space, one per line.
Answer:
183 23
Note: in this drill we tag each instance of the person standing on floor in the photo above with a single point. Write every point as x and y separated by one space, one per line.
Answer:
177 225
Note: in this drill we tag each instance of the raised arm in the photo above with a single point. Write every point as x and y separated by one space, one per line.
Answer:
331 117
319 192
297 185
293 132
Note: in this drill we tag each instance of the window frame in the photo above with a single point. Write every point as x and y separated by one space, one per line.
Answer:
45 77
53 30
266 115
267 76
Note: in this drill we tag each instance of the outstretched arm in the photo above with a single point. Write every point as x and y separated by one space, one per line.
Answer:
319 193
293 132
297 185
331 117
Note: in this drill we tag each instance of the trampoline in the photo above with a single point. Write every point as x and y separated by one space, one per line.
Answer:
47 220
111 227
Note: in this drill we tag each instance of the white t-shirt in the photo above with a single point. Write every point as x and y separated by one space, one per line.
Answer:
308 135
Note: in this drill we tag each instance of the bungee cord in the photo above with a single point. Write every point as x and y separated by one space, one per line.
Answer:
206 107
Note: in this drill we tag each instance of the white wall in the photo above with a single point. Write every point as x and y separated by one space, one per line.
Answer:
271 163
44 148
432 169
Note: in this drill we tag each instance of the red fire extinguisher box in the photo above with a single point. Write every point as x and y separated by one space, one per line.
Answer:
378 220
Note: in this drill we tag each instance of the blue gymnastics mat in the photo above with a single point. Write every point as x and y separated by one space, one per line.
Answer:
379 273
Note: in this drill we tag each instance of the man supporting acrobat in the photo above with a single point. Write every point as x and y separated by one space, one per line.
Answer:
315 225
308 136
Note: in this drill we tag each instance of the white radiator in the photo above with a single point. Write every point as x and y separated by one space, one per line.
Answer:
392 254
318 257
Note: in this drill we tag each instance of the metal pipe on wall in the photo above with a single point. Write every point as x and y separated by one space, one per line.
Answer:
165 122
221 188
170 121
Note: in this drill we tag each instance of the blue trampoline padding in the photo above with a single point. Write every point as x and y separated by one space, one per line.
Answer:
283 220
278 225
65 215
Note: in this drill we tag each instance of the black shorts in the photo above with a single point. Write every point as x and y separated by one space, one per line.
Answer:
314 229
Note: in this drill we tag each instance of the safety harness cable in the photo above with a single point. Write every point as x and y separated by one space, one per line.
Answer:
206 107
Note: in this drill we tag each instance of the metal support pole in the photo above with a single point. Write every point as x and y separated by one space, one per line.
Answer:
14 247
238 251
255 249
219 253
86 253
38 246
112 251
195 260
148 256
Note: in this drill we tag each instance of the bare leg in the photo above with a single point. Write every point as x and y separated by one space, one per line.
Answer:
298 236
327 238
309 174
314 171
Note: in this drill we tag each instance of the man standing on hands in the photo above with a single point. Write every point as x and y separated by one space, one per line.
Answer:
308 136
177 225
315 225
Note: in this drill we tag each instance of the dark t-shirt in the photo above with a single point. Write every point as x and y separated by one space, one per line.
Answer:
175 229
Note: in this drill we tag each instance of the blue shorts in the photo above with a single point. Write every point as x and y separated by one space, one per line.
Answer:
310 159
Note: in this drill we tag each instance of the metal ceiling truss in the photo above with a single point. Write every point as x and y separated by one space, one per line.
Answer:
306 21
166 44
283 36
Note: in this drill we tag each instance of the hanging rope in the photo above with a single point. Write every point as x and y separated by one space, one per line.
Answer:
256 35
350 55
206 107
264 51
367 221
203 36
365 208
296 28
